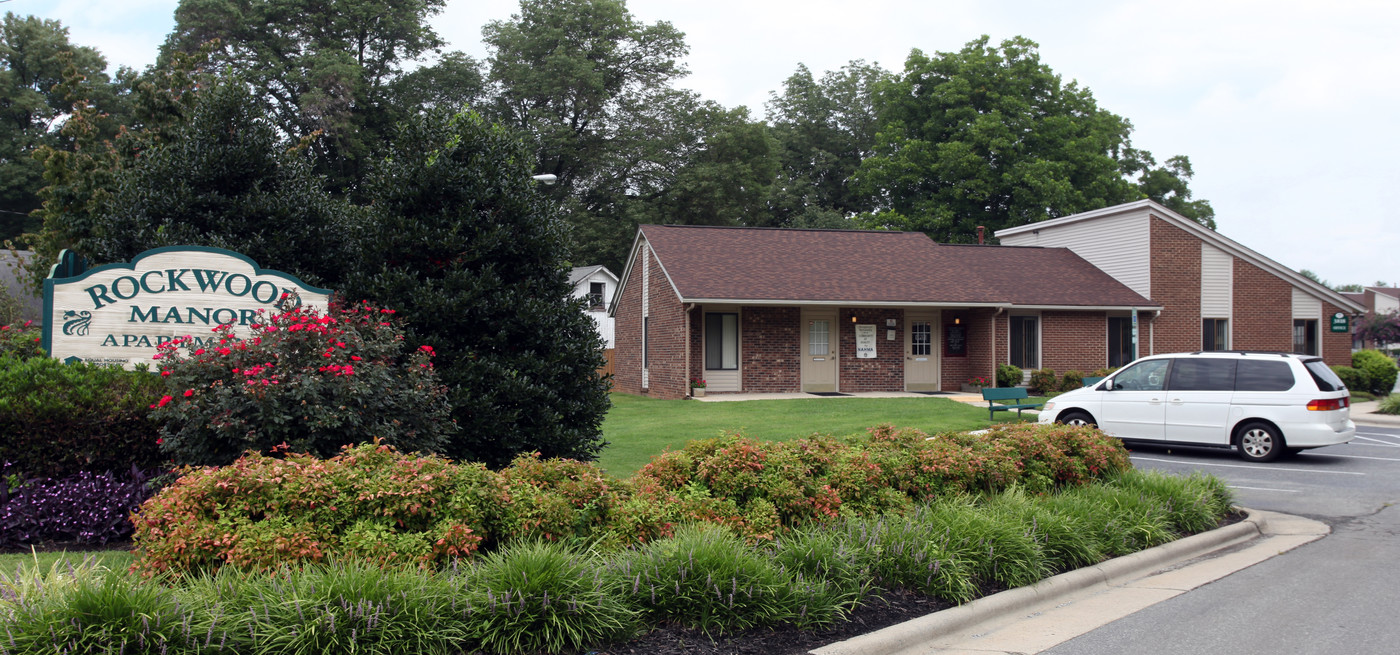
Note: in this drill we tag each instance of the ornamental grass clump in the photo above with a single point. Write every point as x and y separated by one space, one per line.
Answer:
309 381
706 577
542 597
905 553
994 550
345 607
93 610
1064 539
1193 503
1122 520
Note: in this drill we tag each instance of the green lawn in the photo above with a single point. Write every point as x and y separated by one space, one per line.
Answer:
638 428
112 559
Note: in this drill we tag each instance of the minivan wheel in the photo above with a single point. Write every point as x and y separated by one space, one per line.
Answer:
1076 419
1260 442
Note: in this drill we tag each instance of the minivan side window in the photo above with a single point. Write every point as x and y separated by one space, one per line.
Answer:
1150 375
1258 375
1203 374
1325 377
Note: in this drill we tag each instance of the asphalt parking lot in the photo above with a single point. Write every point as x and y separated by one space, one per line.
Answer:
1336 595
1332 482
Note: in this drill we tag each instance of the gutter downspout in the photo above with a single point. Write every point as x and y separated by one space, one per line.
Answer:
688 308
993 339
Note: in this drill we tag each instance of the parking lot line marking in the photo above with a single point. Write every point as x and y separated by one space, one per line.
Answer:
1262 467
1378 442
1287 491
1383 459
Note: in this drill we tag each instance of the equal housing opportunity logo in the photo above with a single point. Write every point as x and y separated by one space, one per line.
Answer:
119 313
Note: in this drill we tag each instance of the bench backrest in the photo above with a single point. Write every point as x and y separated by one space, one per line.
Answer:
1091 381
1003 393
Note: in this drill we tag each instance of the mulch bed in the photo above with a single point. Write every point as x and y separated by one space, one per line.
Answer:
877 612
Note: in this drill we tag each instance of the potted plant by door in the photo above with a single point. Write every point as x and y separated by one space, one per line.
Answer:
697 388
975 384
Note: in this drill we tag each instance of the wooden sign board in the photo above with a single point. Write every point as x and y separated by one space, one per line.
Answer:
119 313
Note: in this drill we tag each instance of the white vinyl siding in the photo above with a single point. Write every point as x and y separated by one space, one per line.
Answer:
1386 304
722 380
645 260
1306 305
1118 245
1217 282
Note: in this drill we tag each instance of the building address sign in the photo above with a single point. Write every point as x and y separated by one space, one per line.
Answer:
119 313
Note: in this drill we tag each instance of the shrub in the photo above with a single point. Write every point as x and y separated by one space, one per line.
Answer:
466 245
1104 372
1073 380
1380 370
1043 380
1355 378
310 381
20 341
1390 405
368 502
59 419
1008 375
84 507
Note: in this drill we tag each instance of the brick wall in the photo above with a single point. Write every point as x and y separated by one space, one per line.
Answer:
884 372
697 345
1336 346
668 371
1176 285
1075 341
1263 310
771 349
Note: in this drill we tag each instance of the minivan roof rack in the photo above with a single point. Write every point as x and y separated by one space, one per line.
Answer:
1279 353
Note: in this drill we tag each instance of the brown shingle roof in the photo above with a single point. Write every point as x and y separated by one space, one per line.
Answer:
758 264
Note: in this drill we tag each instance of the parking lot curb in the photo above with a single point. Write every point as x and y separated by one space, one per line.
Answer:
911 634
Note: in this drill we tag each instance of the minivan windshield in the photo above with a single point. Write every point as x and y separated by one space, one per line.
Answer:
1324 376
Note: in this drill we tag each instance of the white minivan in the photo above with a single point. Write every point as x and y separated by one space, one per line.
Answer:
1263 404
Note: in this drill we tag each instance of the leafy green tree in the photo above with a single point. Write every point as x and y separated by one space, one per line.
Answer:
472 254
320 66
592 88
990 136
825 128
225 178
34 102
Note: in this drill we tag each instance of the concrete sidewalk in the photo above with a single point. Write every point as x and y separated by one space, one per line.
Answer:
1052 611
1364 413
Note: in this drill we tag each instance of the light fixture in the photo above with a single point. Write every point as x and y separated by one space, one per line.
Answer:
853 319
957 321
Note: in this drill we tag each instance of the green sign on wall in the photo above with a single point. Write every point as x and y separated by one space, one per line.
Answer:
1340 323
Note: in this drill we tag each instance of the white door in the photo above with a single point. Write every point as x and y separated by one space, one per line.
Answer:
1135 407
1198 400
819 348
920 352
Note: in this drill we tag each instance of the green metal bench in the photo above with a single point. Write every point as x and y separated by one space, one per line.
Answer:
1091 381
996 398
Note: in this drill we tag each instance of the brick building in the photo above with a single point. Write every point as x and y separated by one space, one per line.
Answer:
770 310
1215 294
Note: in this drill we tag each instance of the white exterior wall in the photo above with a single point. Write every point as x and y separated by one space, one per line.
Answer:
1217 282
1305 305
1386 304
1120 246
600 316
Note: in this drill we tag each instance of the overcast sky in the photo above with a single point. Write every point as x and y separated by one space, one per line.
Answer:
1287 108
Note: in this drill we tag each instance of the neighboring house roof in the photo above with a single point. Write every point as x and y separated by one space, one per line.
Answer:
1393 292
1356 297
1205 234
767 265
578 273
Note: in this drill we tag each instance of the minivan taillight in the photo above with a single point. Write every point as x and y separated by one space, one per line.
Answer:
1329 404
